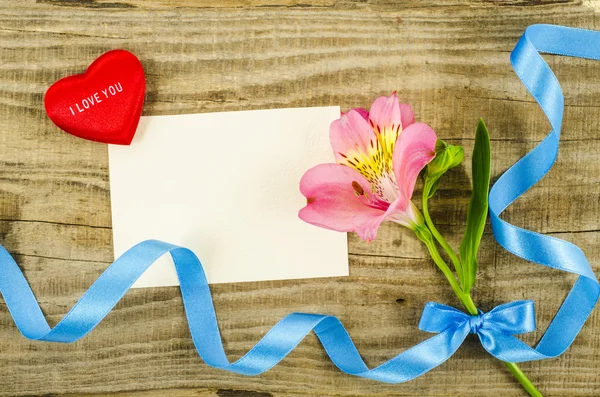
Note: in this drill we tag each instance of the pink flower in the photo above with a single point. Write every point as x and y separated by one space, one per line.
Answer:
379 154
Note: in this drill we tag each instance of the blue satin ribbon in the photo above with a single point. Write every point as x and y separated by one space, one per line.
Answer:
555 253
495 329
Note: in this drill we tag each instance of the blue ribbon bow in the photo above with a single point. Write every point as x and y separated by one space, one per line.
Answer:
495 329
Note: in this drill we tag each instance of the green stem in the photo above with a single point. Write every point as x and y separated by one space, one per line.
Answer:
440 239
469 304
467 301
523 380
439 261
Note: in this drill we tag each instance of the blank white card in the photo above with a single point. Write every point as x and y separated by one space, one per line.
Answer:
226 185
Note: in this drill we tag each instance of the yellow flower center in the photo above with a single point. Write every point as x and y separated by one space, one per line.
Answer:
376 165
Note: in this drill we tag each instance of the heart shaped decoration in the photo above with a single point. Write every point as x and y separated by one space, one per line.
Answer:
104 104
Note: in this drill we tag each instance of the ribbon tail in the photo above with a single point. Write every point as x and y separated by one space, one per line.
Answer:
507 348
407 365
20 300
91 308
116 280
548 251
292 329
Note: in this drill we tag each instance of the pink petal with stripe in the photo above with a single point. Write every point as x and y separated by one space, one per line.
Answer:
407 116
414 149
350 135
385 113
339 198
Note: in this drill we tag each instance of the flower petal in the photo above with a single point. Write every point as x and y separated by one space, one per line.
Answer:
399 212
414 149
385 120
357 146
385 113
406 215
407 116
339 198
351 135
367 230
363 112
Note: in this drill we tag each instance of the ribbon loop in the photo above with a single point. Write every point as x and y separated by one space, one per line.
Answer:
513 318
437 318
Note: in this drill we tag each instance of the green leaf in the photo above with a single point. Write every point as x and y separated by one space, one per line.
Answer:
446 157
434 187
478 207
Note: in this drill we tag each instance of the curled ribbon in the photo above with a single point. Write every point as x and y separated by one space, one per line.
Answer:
555 253
495 329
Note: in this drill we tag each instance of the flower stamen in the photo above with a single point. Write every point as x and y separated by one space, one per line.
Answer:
357 188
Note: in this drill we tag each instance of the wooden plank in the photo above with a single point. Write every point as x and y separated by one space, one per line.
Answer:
448 59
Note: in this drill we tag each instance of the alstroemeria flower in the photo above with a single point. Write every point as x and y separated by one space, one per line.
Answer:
379 156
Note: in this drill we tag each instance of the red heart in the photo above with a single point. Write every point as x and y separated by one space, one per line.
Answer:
105 103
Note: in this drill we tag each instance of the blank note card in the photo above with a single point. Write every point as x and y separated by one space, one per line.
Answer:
225 185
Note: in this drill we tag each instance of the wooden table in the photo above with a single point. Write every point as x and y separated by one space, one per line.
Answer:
449 59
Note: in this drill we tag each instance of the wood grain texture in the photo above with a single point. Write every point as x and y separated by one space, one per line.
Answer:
447 58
